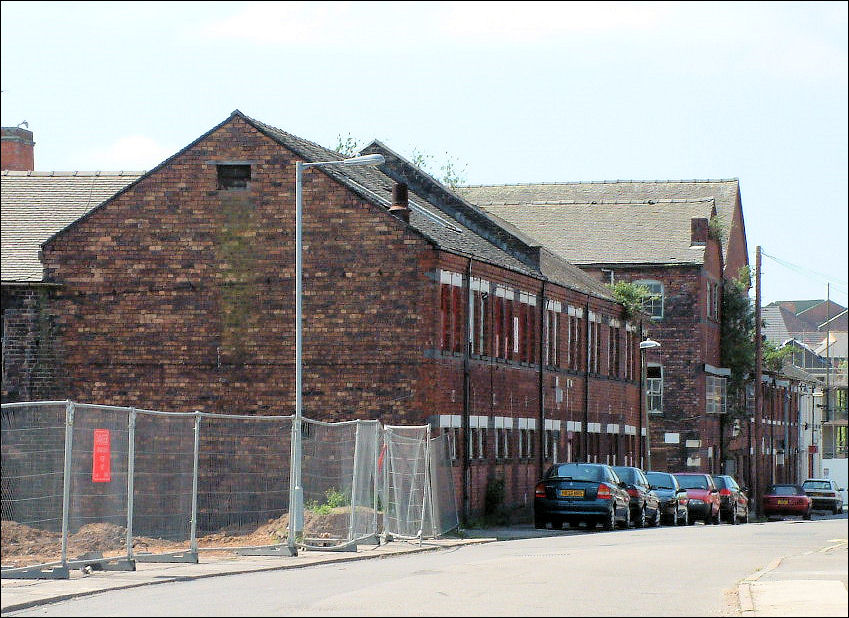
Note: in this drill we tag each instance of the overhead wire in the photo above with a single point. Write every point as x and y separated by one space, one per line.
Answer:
838 284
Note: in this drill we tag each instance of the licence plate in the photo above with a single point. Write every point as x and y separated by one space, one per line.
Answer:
783 502
571 493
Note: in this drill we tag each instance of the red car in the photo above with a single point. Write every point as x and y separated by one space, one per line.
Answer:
780 500
703 494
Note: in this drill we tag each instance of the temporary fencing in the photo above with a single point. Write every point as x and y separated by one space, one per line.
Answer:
87 484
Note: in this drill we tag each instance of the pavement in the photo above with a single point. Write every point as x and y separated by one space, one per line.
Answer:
799 586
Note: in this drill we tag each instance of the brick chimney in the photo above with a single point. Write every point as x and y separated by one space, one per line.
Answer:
17 149
698 231
400 202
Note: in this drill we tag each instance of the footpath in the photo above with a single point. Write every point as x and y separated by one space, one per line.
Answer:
813 584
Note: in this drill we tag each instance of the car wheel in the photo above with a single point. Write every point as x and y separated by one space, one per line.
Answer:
807 516
835 510
691 521
610 522
734 519
627 523
746 516
640 521
539 524
658 520
675 521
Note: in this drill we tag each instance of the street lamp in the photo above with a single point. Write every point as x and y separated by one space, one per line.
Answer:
296 491
646 344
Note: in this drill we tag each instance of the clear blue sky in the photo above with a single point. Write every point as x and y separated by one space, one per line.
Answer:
516 92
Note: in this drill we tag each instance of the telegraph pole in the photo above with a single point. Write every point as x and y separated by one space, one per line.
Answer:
756 455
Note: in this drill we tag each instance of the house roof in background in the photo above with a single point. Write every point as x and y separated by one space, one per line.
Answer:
724 192
36 205
612 232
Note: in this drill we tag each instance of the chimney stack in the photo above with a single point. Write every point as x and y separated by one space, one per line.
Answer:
17 150
400 202
698 231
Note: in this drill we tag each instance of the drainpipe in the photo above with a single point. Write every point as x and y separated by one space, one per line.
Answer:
541 329
467 468
640 425
587 381
787 478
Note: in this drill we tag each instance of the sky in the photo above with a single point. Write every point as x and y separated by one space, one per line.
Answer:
509 92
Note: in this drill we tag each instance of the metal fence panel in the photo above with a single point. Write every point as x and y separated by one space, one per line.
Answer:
163 471
33 451
338 481
97 512
405 473
444 515
243 482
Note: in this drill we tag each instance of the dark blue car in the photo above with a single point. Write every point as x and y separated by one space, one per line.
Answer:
673 498
572 493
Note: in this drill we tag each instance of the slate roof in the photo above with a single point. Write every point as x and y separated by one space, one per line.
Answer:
612 232
445 222
36 205
723 192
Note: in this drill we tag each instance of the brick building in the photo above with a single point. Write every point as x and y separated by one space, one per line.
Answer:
35 205
657 233
177 294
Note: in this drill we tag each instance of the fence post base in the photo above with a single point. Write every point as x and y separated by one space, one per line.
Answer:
180 556
282 551
52 572
94 561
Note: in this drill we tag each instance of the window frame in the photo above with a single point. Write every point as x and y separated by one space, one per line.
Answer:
656 297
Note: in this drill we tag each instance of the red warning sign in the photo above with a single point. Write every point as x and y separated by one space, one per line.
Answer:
101 469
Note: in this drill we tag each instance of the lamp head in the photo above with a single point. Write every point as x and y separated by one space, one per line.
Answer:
648 344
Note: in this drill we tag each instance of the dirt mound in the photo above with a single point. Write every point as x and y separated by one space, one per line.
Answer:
25 545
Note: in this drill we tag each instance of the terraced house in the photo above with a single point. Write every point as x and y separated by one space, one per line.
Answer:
679 239
177 293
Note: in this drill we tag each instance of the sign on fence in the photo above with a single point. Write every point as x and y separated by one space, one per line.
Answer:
101 470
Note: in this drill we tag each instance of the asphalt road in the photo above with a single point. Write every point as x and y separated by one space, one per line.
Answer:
685 571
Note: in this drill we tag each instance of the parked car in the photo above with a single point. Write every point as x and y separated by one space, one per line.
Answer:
733 501
825 494
581 492
673 498
645 505
703 495
780 500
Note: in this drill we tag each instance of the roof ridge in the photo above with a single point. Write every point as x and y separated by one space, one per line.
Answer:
706 200
64 173
598 182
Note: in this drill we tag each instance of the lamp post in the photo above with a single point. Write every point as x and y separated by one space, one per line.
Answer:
647 344
296 491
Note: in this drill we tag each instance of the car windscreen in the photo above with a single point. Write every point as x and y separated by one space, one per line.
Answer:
577 472
816 485
692 482
784 490
661 480
629 475
721 483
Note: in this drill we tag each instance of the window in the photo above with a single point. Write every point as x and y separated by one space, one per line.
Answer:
595 345
654 388
713 300
613 352
654 303
232 176
451 312
502 443
477 443
451 442
714 395
552 439
573 343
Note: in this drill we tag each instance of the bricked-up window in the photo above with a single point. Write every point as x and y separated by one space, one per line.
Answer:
713 300
232 176
479 325
451 309
595 345
613 352
445 316
629 355
573 343
451 442
502 443
457 318
552 439
551 339
715 390
653 305
477 443
654 388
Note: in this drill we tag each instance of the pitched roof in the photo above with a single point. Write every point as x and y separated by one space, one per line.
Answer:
36 205
440 215
724 193
612 232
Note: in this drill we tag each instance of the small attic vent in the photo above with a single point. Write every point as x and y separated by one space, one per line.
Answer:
232 176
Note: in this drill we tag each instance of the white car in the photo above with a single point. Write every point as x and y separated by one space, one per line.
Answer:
824 494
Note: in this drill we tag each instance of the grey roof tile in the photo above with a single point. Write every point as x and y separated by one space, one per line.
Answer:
36 205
